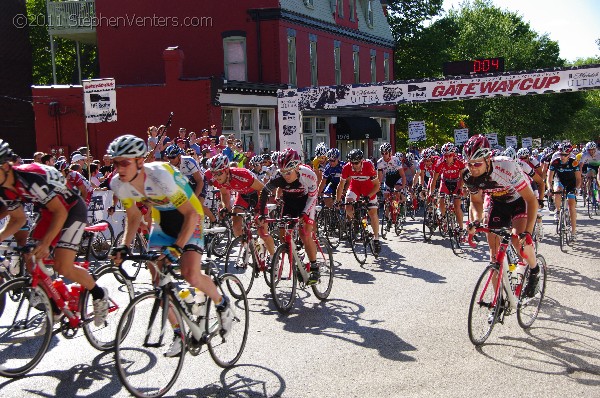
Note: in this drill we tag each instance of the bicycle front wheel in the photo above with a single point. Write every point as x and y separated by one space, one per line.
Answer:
142 339
25 327
384 220
562 230
529 307
428 221
102 242
226 351
121 292
325 260
132 268
283 279
482 311
358 241
239 262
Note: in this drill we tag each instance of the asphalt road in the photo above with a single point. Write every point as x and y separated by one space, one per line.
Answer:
395 327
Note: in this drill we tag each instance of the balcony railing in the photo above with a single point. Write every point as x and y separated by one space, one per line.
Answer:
73 16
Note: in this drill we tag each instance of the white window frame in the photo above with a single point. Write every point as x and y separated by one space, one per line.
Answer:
226 63
340 8
386 66
313 61
373 66
356 63
369 13
292 74
225 126
352 6
337 62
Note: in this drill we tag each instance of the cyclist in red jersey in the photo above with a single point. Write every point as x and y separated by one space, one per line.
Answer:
363 182
63 217
428 161
235 179
449 168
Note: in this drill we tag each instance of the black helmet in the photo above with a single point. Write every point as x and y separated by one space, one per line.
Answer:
355 155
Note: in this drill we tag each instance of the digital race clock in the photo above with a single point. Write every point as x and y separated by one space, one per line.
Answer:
474 67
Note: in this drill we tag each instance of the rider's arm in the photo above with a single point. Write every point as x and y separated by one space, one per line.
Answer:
433 183
541 188
403 175
225 198
340 190
18 218
197 176
375 188
476 208
549 179
133 218
578 179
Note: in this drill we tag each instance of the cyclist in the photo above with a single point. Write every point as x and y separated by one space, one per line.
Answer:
63 217
177 220
320 161
534 178
256 167
331 176
568 178
363 182
590 161
449 168
298 185
391 173
508 202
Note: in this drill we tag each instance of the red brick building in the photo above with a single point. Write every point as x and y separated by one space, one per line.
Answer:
230 59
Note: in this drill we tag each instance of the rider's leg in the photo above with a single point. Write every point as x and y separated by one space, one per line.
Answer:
458 211
572 203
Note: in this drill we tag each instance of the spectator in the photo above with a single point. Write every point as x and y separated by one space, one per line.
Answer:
213 131
194 143
37 157
153 145
205 139
182 133
94 176
229 149
221 145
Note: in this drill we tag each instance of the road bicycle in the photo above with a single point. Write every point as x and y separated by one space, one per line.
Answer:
500 292
432 220
329 223
361 239
290 266
141 364
101 242
455 234
33 303
590 196
393 213
563 226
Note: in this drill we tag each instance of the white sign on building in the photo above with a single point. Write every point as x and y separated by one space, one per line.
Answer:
100 100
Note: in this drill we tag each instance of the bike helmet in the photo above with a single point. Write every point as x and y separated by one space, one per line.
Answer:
321 150
523 153
333 153
274 157
265 157
218 163
555 146
510 152
6 154
385 147
565 147
288 159
477 147
590 145
256 159
61 165
127 146
447 148
427 154
399 155
173 151
535 152
355 155
410 157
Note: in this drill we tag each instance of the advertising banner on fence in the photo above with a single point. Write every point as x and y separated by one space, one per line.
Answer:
526 142
492 138
461 136
416 131
100 100
511 140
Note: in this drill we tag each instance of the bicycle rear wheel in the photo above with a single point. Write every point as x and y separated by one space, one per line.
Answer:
220 242
102 242
453 233
143 336
132 268
529 307
427 223
333 231
384 220
227 351
358 241
283 279
482 313
325 260
25 327
121 292
239 262
400 219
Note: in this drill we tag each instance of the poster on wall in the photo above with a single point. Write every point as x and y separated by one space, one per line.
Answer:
99 100
461 136
492 138
526 142
289 121
416 131
511 140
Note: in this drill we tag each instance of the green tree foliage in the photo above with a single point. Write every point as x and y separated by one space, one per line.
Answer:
478 29
65 53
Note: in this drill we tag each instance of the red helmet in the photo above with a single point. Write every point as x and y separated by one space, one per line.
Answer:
288 158
477 147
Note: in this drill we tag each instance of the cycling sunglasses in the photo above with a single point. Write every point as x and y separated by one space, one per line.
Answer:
122 163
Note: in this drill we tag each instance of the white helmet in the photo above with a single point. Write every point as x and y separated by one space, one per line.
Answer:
127 146
510 152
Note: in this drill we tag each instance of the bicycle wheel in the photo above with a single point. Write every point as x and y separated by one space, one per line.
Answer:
428 223
529 307
562 236
325 261
588 200
220 243
25 327
400 219
384 220
143 335
102 242
121 292
482 314
239 262
283 279
333 231
132 268
227 351
453 233
443 226
358 241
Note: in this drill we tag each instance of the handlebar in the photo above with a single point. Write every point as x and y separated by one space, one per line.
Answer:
503 233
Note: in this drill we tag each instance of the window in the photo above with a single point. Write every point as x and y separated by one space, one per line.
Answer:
369 13
264 142
235 58
340 8
373 66
352 4
292 78
314 132
227 119
245 119
264 121
309 3
314 80
356 61
386 66
337 64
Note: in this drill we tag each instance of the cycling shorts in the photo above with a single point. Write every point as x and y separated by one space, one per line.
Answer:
569 189
246 201
295 208
331 188
501 214
72 231
449 187
352 196
165 232
392 179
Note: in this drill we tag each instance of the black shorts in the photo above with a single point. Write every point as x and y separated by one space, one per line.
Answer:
294 207
391 179
71 233
501 214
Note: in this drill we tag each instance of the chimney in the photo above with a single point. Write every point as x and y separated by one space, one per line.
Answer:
173 59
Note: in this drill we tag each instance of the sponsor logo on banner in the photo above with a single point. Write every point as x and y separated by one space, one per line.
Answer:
289 130
392 93
494 85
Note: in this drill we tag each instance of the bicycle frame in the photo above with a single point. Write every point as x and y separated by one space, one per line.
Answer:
291 227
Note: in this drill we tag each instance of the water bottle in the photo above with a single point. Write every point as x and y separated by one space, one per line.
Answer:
199 302
4 264
186 297
514 279
520 273
261 249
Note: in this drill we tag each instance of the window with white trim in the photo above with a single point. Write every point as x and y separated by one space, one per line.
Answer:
227 119
373 66
246 119
356 63
340 8
337 62
386 66
314 78
369 13
291 41
352 6
235 58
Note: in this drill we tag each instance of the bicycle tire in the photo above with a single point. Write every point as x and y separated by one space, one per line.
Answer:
443 226
220 242
384 220
358 241
22 345
141 337
239 262
333 232
322 289
121 292
132 268
400 219
453 233
227 351
529 307
428 222
283 279
102 242
481 313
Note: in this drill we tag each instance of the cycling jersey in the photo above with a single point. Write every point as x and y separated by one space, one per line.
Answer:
240 181
316 165
502 182
361 182
393 166
299 197
449 174
77 179
565 172
410 169
332 175
165 189
188 167
592 162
